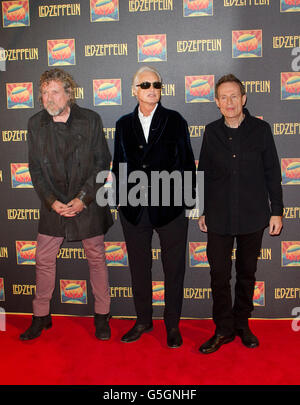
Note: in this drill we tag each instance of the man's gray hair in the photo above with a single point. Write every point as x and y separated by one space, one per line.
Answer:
144 69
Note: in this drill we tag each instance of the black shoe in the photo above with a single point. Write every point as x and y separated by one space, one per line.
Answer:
38 324
174 338
247 337
101 322
215 342
136 332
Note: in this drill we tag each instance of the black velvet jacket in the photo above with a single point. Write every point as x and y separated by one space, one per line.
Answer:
88 154
168 149
242 176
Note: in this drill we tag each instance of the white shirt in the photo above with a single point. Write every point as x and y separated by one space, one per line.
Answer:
146 122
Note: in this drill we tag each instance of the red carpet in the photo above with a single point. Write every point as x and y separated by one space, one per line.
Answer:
69 354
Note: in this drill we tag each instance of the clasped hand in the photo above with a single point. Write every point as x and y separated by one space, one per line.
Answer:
71 209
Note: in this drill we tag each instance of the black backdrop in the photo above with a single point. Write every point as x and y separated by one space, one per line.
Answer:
102 43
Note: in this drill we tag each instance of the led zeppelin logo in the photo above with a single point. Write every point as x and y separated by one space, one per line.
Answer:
104 10
61 52
20 176
116 254
19 95
25 251
158 293
107 92
290 253
73 291
152 48
289 5
15 13
196 8
199 89
197 254
290 171
247 44
259 294
2 295
290 86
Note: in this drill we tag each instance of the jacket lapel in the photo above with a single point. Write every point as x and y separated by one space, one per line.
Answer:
157 126
137 128
221 133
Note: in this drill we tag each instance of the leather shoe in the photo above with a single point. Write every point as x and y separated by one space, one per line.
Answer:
102 326
247 337
38 324
215 342
136 332
174 338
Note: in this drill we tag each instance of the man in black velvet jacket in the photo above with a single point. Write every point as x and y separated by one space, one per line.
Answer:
242 196
153 139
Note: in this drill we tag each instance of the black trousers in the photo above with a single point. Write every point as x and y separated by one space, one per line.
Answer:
219 253
173 239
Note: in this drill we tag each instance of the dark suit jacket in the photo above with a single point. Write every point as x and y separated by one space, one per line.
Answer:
88 153
242 177
168 149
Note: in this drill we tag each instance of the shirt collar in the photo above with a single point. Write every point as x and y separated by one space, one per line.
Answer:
142 116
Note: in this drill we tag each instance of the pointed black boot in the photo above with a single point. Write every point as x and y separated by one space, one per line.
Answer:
102 326
38 324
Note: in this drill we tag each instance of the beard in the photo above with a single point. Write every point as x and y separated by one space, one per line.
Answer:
54 110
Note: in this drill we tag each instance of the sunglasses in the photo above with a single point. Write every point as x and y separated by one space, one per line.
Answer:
147 85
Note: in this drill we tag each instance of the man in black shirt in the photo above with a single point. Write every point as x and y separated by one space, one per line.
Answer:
66 151
243 195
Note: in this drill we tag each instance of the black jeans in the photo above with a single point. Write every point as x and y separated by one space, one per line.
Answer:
173 238
219 254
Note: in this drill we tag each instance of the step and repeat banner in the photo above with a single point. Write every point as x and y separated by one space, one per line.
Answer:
192 43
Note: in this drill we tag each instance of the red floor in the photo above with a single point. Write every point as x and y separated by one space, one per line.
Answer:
69 354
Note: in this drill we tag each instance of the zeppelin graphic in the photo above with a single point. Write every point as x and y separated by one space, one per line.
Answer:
290 171
116 254
199 89
197 8
290 86
61 52
197 254
19 95
73 291
290 253
20 176
25 251
259 294
247 44
152 48
15 13
107 92
158 293
289 5
2 295
104 10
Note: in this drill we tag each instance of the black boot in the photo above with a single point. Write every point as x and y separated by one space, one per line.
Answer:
102 326
38 324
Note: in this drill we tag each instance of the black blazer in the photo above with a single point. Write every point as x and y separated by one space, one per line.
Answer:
168 149
242 177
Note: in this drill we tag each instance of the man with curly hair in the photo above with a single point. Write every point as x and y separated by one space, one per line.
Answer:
67 149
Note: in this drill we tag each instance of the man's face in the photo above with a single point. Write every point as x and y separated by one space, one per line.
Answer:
55 99
149 96
230 100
